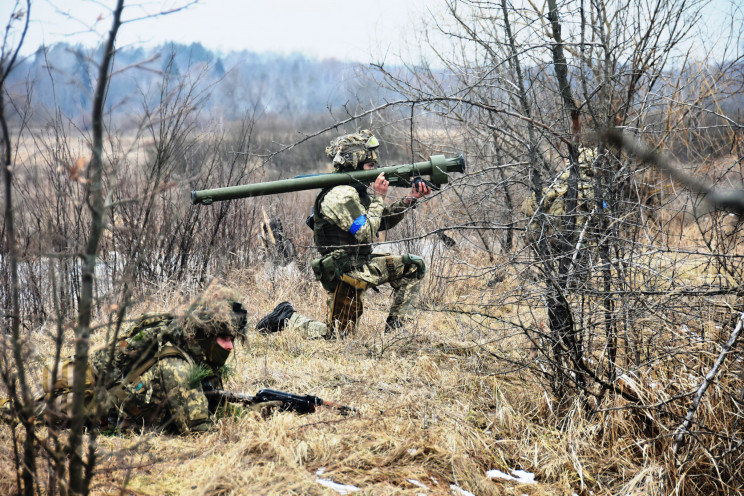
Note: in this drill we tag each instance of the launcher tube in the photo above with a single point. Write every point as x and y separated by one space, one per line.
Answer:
437 168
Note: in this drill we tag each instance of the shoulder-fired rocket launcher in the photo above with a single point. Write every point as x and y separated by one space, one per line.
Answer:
437 168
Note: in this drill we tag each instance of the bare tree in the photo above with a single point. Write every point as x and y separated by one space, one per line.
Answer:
23 402
87 189
601 298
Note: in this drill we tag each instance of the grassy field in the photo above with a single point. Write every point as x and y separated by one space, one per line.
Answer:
435 416
457 404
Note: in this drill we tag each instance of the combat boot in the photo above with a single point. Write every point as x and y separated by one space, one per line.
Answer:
277 319
393 323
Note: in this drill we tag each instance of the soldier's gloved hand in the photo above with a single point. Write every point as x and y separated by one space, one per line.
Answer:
266 408
420 189
203 427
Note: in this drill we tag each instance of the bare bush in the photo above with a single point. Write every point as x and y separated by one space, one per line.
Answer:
611 287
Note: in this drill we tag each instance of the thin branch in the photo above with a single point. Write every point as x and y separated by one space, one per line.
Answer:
731 200
683 429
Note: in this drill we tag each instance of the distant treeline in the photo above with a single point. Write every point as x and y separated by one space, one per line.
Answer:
57 81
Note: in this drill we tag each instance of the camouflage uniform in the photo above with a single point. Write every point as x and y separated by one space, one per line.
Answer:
554 200
157 373
165 396
159 383
347 221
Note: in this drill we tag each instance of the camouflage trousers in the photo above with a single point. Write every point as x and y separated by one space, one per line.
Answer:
404 279
163 396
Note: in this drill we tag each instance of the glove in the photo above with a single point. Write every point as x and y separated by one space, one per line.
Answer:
265 408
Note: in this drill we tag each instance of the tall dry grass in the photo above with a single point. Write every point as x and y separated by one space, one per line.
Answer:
465 391
436 409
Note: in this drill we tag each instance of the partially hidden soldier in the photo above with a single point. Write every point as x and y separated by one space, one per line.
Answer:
158 371
346 220
554 201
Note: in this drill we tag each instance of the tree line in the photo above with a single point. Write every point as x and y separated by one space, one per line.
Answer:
60 78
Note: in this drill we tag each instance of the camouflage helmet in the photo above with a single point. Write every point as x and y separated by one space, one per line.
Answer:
216 312
352 151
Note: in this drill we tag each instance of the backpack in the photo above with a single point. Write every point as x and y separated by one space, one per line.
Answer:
136 346
137 349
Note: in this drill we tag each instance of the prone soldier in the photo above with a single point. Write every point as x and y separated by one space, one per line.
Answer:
158 371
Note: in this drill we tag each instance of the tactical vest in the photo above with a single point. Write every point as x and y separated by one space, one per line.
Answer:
329 237
147 340
140 347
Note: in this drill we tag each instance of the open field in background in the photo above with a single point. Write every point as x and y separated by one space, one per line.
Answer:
566 341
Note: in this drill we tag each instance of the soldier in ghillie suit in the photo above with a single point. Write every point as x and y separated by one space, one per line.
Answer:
157 372
346 220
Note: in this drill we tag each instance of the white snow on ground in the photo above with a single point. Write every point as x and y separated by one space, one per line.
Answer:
417 483
339 488
460 492
517 475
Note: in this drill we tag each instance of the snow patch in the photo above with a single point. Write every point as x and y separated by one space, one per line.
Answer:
459 491
339 488
517 475
417 483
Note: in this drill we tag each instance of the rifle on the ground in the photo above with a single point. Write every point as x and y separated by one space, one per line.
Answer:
437 168
298 403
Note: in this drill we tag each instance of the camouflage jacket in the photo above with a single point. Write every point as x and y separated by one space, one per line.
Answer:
156 376
344 207
554 199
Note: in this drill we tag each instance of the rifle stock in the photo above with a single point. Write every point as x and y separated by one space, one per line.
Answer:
437 168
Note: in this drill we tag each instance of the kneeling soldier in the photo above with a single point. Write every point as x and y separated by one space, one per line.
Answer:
345 222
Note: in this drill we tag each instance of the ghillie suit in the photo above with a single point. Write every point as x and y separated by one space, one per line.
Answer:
156 372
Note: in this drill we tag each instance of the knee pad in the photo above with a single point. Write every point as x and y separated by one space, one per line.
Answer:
414 261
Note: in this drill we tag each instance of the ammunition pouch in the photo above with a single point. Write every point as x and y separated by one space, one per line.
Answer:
329 269
326 271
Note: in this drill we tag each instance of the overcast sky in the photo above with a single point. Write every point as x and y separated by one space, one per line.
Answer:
362 31
344 29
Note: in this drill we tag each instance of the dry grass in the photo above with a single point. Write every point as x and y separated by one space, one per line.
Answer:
424 416
431 414
435 409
